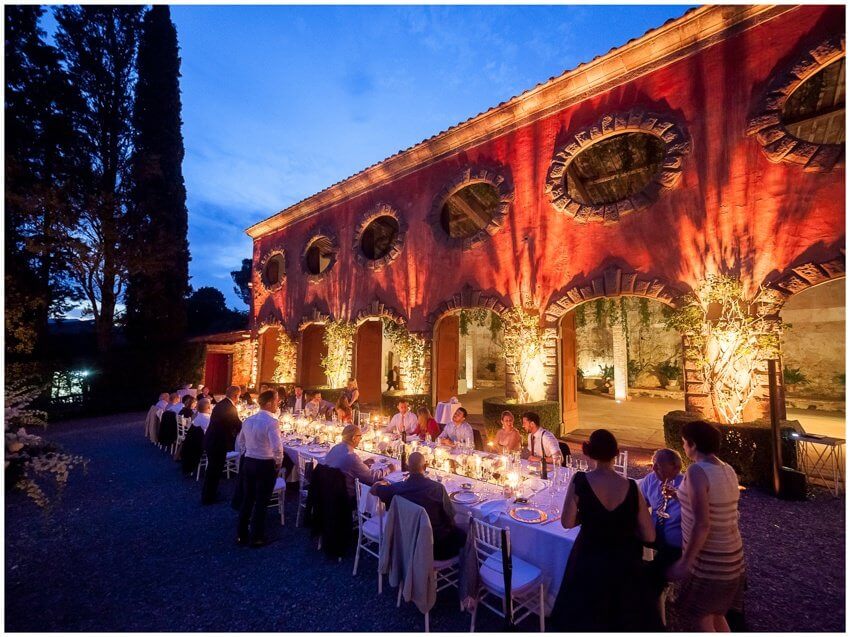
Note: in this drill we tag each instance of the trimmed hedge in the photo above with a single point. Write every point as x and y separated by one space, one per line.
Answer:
746 447
549 412
390 400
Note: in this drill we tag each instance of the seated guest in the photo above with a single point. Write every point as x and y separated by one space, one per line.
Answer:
188 410
206 392
174 403
458 431
431 496
541 442
344 457
248 399
404 420
508 438
259 441
318 408
297 401
427 425
343 411
282 396
193 443
666 477
163 402
202 418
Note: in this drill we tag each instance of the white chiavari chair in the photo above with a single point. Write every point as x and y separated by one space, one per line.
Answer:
621 464
370 527
303 483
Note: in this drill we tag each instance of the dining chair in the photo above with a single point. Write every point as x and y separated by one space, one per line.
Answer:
621 464
370 527
527 589
279 495
305 465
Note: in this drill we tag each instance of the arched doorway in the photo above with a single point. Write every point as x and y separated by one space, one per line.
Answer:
368 360
313 349
469 360
269 343
620 369
813 358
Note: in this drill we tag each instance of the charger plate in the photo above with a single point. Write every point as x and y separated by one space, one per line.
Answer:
528 515
465 497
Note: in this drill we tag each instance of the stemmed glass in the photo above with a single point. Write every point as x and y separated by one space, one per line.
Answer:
668 491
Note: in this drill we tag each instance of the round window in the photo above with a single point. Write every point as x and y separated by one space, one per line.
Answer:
379 237
320 255
469 210
614 169
273 271
814 112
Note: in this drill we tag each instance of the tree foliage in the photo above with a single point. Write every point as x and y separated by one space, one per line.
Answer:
242 279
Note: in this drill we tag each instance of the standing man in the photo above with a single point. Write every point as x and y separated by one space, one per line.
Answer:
405 420
458 431
541 442
297 402
260 441
220 438
666 476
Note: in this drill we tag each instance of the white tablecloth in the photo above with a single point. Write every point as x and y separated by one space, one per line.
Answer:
445 411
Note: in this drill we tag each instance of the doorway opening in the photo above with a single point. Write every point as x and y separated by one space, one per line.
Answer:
368 360
313 350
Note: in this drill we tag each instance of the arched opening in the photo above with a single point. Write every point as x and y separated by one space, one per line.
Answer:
379 237
620 369
469 210
369 362
813 363
319 256
273 271
814 112
269 343
313 350
469 359
614 168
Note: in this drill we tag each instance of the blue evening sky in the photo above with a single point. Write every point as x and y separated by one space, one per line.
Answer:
279 102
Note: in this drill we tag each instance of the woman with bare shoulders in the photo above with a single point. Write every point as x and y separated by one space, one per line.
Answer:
508 438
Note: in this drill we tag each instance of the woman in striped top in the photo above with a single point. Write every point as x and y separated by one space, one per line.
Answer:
712 563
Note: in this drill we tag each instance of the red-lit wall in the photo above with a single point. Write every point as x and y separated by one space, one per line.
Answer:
732 210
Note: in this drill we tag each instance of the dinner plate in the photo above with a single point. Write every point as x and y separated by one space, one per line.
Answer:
465 497
529 515
316 449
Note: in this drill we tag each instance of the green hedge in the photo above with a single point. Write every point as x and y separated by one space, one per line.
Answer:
390 400
746 447
549 412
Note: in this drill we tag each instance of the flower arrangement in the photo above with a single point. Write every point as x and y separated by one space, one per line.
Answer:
727 341
339 339
285 358
32 462
411 356
523 342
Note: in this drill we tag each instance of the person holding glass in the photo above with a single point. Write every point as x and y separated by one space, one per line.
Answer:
458 431
659 488
712 564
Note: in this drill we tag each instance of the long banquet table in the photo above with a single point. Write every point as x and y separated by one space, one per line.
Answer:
545 545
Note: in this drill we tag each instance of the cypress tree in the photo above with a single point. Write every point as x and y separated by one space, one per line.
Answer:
157 228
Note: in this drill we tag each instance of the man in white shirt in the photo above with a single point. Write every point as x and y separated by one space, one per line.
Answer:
344 457
458 431
162 403
259 441
404 420
541 442
174 403
202 418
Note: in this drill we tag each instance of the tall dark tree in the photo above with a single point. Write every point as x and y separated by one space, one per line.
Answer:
39 137
208 313
157 228
242 280
98 44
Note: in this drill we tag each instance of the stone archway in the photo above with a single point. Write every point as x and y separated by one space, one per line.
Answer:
312 349
444 325
560 330
369 364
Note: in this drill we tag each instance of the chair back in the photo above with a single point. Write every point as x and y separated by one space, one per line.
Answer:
487 540
363 417
621 464
477 441
368 506
305 468
565 449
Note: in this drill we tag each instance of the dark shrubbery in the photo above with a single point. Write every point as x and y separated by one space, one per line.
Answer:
746 446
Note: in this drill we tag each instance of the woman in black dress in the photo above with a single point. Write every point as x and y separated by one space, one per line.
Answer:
602 589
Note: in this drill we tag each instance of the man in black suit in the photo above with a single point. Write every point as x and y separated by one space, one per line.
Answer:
297 401
220 438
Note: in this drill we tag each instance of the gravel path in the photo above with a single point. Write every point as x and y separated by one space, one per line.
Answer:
129 548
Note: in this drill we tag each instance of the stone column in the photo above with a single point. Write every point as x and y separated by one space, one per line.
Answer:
621 360
470 362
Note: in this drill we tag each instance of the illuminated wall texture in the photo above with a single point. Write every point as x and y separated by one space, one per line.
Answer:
732 209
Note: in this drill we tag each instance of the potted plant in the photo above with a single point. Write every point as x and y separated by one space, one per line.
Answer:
669 373
607 372
793 377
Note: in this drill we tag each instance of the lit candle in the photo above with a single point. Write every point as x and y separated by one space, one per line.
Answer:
513 479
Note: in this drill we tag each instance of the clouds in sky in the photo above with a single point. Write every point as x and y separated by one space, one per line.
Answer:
280 102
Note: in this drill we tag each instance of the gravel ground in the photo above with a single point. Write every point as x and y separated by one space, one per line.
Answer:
129 548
